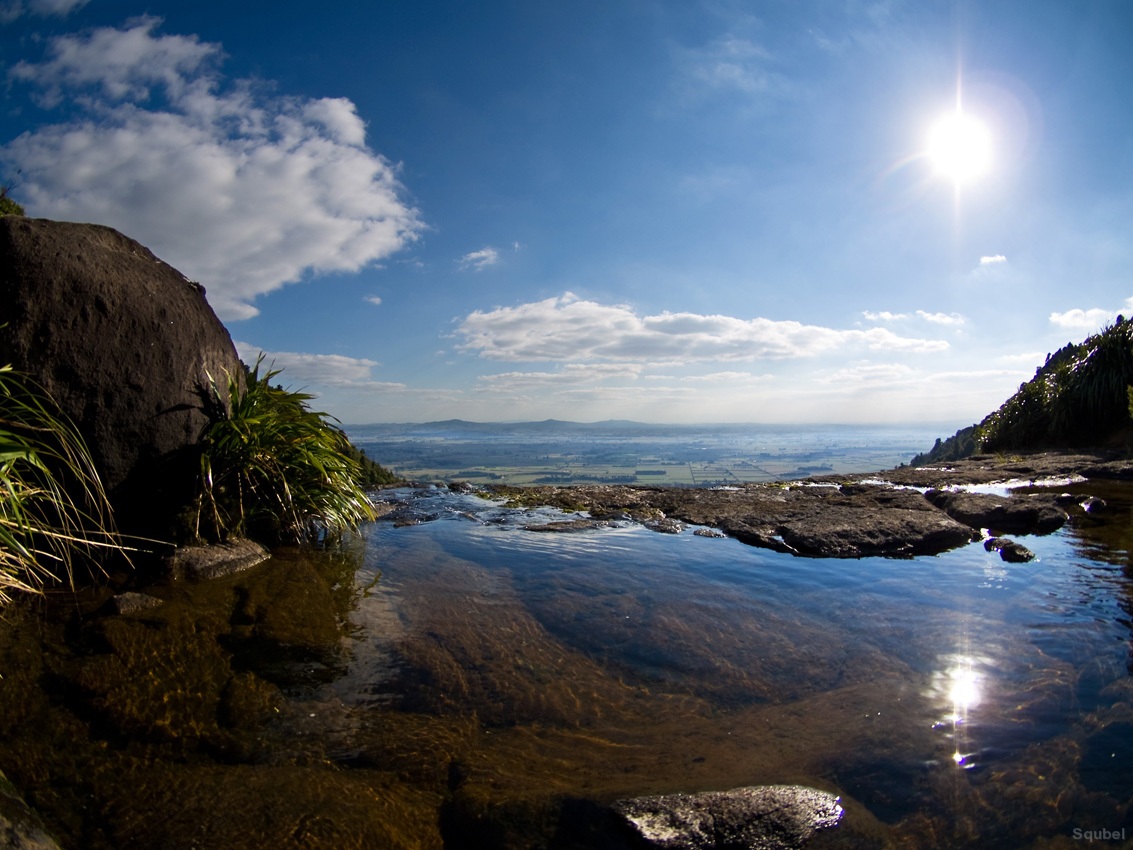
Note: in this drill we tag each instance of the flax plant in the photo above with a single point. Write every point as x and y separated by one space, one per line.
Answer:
271 467
52 503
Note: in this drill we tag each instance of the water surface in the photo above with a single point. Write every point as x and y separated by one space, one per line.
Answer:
464 682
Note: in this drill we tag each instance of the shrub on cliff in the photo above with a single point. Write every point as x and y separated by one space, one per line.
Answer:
1081 396
7 205
52 505
1078 397
274 469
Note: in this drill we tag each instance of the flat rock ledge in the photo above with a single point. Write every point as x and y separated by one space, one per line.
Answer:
900 513
769 817
222 559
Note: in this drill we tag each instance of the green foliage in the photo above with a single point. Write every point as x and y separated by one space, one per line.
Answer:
7 205
274 469
52 504
1080 396
960 445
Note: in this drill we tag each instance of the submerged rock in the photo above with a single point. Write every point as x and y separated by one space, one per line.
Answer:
205 562
20 827
566 525
132 601
771 817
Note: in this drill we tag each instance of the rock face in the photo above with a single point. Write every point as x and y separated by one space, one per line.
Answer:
770 817
125 344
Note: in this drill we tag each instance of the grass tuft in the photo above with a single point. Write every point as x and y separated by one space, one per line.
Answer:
274 469
52 503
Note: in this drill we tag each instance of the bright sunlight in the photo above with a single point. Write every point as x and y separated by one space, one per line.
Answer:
960 147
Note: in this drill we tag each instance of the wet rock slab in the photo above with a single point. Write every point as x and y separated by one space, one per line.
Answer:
847 521
205 562
1018 514
772 817
881 514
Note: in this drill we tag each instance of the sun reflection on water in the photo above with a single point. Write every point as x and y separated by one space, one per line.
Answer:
958 688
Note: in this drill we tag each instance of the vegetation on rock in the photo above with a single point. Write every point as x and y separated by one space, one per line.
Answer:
7 205
52 504
1081 396
274 469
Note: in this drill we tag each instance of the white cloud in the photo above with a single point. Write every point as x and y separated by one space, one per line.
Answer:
1078 319
995 260
934 318
479 260
942 318
573 330
43 8
297 368
871 373
242 191
729 378
376 300
571 374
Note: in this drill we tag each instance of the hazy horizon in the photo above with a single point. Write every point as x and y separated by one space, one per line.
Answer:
659 210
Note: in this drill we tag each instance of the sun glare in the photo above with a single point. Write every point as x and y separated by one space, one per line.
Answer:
960 147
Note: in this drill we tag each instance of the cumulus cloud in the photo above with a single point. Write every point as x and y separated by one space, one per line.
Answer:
376 300
1078 319
884 316
479 260
240 190
43 8
316 368
994 260
570 329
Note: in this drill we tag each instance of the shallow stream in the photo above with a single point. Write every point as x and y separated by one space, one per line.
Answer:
463 682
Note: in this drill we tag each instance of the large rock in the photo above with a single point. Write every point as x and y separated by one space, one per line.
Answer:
125 343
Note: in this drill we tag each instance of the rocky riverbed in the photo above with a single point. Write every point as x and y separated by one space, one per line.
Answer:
902 512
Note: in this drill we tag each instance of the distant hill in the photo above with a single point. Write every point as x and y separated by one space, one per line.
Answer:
1082 396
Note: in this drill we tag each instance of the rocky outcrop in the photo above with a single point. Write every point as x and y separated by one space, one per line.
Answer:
770 817
827 520
125 344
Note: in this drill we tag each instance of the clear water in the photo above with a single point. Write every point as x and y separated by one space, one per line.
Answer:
476 684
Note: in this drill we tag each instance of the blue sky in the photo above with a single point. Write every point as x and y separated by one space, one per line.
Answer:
663 210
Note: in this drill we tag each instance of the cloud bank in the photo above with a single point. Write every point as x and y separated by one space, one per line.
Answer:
570 329
240 190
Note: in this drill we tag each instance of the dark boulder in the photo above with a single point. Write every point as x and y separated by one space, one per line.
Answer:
1018 514
1009 550
125 344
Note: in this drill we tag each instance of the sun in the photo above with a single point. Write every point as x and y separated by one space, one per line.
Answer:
960 147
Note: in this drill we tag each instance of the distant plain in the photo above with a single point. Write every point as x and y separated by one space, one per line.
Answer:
623 452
